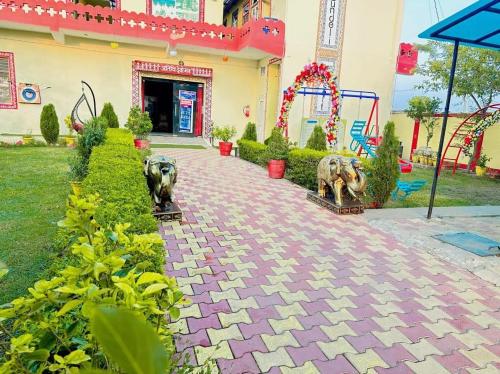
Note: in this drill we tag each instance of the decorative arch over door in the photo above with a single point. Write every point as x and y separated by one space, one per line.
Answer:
314 74
176 72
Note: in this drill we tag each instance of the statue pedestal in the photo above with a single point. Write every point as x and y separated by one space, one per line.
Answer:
172 213
349 207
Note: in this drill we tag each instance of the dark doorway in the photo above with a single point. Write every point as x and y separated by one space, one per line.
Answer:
175 107
158 102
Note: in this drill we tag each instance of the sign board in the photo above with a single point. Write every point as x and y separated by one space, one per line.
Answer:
186 117
29 93
331 24
181 9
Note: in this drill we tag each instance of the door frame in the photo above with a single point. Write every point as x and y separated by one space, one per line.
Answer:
192 74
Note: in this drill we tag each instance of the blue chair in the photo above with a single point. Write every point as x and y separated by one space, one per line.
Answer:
405 189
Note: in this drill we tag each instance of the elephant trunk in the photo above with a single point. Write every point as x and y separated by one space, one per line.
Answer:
357 185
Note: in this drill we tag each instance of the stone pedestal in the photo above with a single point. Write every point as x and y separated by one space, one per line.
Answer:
170 213
349 207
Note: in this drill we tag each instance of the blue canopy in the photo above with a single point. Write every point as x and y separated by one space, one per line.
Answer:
478 25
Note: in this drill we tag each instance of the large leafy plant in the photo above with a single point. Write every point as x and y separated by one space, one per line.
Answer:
224 133
50 330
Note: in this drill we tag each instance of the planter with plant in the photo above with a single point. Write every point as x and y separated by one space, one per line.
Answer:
140 125
224 133
481 165
276 154
28 138
70 138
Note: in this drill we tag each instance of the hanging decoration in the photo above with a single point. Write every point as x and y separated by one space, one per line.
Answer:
473 136
314 74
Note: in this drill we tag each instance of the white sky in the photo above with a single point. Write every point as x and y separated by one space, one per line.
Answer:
418 16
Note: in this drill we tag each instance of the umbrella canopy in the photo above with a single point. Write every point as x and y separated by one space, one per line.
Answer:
478 25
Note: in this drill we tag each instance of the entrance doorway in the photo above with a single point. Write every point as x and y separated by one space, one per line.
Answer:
175 107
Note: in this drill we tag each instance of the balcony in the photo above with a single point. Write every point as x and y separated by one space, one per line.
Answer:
255 40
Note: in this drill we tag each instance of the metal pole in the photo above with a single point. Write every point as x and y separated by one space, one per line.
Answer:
443 129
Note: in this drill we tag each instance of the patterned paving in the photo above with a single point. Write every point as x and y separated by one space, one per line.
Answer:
280 285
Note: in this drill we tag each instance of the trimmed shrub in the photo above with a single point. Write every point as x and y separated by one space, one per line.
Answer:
277 147
250 132
49 124
317 140
383 171
116 173
109 113
251 151
139 123
302 167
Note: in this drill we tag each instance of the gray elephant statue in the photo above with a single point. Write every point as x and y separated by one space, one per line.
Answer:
161 174
343 176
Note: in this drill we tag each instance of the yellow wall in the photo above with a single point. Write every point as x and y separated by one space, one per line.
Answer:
109 72
404 130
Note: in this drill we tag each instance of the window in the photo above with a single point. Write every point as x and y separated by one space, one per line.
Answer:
8 95
181 9
246 11
234 18
255 9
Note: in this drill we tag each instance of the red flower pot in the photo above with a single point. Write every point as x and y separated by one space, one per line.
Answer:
276 169
141 143
225 148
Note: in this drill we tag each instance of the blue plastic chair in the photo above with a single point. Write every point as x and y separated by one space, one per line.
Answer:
405 189
359 139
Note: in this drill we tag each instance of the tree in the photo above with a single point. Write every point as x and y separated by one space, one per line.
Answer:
384 169
317 140
49 124
250 132
477 75
108 112
422 109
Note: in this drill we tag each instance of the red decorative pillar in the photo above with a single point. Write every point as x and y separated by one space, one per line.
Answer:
198 126
414 142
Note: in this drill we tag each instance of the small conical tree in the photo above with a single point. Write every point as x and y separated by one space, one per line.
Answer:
49 124
384 169
317 140
250 132
109 113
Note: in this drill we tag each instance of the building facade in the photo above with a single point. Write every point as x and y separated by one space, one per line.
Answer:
193 63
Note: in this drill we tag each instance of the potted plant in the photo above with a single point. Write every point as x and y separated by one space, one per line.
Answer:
224 133
140 125
276 154
481 165
69 139
28 138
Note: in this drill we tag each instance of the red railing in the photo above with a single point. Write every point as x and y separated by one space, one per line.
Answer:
267 35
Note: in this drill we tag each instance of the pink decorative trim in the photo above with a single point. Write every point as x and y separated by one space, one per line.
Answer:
201 18
118 4
12 80
205 74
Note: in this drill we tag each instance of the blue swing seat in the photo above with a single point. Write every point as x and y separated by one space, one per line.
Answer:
405 189
359 139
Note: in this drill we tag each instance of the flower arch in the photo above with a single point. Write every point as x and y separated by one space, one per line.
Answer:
472 137
315 74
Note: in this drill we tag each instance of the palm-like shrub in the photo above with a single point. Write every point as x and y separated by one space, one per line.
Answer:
49 124
384 169
108 112
317 140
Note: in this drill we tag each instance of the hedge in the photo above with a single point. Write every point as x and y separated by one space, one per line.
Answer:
251 151
302 167
116 174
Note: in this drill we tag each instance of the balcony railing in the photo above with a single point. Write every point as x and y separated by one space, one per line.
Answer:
265 35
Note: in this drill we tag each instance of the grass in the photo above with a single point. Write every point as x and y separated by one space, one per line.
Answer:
33 190
184 146
458 190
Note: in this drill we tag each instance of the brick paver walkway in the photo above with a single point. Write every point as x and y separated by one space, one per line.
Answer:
280 285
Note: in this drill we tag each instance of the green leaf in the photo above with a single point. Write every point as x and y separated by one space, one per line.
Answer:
125 288
174 312
38 355
70 305
149 277
154 288
129 341
76 357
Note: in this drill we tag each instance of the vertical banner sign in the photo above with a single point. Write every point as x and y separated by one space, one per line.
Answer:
186 102
331 17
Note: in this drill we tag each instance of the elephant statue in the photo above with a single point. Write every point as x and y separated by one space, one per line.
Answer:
343 176
161 174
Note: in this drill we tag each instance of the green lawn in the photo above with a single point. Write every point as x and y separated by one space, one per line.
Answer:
33 190
458 190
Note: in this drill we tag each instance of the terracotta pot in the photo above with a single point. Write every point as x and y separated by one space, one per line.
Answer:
141 143
276 169
70 141
27 139
480 171
225 148
375 205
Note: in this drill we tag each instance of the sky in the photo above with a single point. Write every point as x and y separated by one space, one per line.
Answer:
418 16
